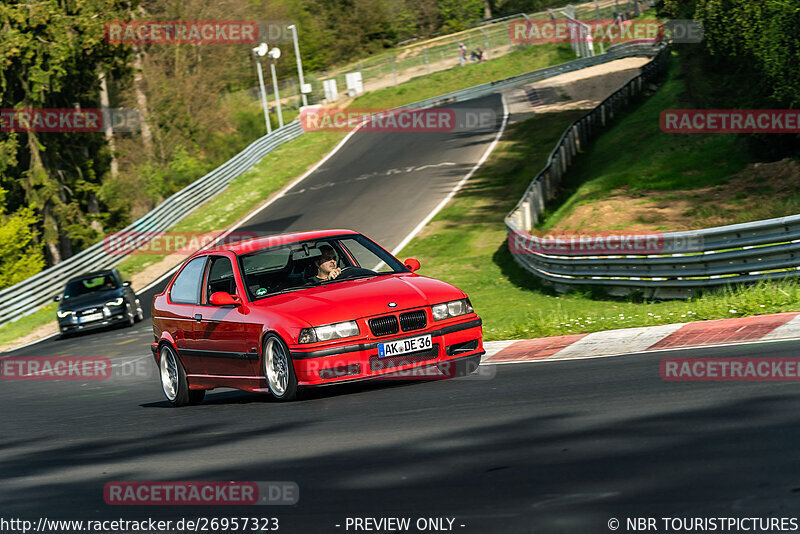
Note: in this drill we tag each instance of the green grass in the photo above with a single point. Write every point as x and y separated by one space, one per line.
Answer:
28 324
465 245
636 155
457 77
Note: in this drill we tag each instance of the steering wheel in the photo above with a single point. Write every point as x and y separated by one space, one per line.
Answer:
350 271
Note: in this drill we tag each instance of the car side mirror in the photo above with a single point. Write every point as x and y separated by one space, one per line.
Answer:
56 298
412 264
126 283
221 298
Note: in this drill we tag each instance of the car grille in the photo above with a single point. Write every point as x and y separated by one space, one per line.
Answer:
376 363
413 320
384 326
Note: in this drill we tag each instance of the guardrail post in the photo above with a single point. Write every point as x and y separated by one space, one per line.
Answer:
525 212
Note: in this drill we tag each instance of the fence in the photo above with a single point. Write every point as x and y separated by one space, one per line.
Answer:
684 261
27 296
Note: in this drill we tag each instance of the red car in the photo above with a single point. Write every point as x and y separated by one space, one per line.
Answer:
305 309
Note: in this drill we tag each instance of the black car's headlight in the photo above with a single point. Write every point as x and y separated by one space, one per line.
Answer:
64 313
116 302
328 332
454 308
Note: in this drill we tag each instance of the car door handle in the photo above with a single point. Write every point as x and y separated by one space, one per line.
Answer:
198 317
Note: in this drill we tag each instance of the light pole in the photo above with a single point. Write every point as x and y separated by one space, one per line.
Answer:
261 51
299 63
274 54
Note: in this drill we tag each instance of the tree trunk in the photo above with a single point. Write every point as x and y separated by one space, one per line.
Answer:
487 10
107 126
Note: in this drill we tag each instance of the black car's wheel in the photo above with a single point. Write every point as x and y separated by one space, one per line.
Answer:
130 318
173 377
139 311
63 334
464 367
279 369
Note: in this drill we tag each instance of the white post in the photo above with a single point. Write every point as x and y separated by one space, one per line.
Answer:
299 62
263 95
277 96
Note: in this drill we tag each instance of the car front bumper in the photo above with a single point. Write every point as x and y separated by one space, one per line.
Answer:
360 361
115 317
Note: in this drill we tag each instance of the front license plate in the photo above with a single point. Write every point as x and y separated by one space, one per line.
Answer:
404 346
90 317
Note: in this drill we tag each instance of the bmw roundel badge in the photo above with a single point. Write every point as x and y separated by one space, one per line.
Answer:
392 304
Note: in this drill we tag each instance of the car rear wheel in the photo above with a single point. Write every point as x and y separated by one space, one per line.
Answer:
464 367
279 369
173 377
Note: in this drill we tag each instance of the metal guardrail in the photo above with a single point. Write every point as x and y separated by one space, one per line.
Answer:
28 295
681 262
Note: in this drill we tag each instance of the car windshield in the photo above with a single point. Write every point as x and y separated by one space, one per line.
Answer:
302 264
84 286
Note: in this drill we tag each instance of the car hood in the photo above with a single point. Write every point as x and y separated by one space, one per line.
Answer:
352 299
90 299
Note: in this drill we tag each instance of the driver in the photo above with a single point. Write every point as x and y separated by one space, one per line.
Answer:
326 265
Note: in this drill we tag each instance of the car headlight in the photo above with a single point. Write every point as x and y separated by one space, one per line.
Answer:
454 308
64 313
115 302
328 332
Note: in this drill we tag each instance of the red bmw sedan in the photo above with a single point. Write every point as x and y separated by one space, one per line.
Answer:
283 312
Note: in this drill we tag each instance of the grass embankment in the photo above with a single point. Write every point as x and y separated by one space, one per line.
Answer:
457 77
465 245
637 177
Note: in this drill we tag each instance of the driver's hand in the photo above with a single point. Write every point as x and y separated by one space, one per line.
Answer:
334 273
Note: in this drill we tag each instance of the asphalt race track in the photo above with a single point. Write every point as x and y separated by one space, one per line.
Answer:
547 447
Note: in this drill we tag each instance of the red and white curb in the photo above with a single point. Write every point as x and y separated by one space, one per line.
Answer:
779 326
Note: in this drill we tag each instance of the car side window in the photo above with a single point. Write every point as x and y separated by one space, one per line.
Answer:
220 277
186 288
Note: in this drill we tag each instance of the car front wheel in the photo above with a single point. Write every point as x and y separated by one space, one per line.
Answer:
279 369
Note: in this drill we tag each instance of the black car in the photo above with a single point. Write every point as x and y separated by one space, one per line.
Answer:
95 300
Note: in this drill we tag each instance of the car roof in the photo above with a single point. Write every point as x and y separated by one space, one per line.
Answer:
249 245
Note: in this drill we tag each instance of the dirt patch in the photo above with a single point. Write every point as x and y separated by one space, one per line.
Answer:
761 190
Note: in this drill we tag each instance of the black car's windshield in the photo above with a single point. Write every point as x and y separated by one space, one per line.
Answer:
84 286
293 266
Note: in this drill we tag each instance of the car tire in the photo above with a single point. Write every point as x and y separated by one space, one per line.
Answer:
279 369
139 311
458 368
64 334
131 317
173 376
